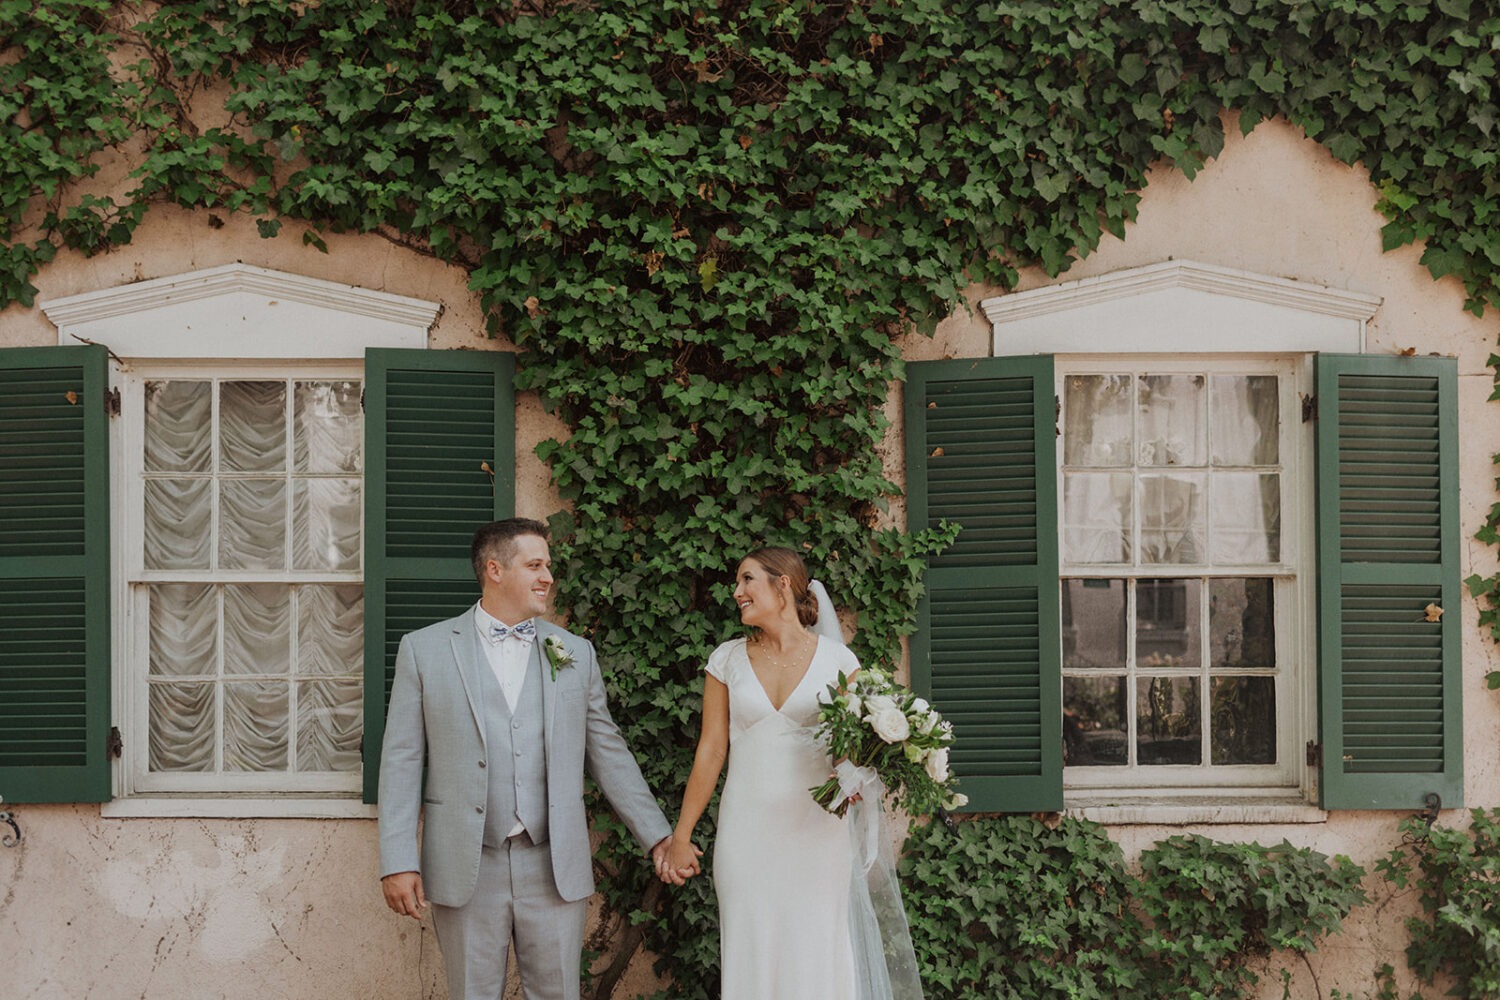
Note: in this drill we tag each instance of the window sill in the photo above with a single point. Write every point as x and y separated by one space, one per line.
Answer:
236 807
1127 811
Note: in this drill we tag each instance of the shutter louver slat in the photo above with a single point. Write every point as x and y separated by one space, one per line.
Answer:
1389 711
54 575
980 454
433 420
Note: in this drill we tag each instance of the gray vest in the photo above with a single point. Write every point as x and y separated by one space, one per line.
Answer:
517 764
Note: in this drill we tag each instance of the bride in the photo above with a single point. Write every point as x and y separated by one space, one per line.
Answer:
782 865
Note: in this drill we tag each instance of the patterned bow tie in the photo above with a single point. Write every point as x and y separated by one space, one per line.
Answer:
526 631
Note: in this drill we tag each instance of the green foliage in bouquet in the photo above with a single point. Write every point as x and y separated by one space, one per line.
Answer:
1013 909
873 722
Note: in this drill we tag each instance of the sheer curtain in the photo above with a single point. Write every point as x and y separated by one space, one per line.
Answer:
258 675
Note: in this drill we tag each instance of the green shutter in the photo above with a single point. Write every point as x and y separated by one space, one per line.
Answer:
54 575
433 421
981 451
1390 719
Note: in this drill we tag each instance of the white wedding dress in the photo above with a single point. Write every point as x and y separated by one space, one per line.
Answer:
781 863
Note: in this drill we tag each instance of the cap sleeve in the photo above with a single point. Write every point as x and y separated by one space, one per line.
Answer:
721 660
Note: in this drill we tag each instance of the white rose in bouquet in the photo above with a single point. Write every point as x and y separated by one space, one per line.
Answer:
880 703
889 723
936 763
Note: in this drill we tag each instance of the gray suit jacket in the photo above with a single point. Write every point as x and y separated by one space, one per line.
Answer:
435 720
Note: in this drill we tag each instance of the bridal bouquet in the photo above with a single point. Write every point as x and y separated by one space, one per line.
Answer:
872 722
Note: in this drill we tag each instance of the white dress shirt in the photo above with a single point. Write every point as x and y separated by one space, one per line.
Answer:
508 659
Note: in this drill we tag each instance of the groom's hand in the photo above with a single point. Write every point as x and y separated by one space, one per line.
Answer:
403 894
676 863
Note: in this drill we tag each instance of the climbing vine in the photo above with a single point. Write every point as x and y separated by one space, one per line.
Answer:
704 224
1009 909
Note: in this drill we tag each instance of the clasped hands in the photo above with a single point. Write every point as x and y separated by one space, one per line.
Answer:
676 860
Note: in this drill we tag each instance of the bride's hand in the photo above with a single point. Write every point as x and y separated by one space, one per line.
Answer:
680 862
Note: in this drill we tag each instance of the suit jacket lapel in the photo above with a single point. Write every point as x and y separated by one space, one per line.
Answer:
470 659
549 700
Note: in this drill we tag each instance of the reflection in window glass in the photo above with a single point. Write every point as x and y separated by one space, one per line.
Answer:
1095 721
1169 728
1171 483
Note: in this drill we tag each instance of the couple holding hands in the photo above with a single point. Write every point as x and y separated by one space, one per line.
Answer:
505 711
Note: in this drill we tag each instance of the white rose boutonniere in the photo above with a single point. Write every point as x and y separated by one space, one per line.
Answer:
558 656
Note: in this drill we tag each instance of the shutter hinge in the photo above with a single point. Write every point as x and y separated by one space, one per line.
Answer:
112 402
1057 416
1314 754
361 400
1309 408
114 748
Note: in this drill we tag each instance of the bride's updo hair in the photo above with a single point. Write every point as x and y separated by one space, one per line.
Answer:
780 561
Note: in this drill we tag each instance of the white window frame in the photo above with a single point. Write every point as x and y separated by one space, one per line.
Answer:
1179 309
1296 648
135 669
224 320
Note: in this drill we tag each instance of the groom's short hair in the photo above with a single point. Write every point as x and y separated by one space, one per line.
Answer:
497 541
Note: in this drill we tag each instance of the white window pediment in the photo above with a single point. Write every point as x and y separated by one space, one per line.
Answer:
1180 306
241 312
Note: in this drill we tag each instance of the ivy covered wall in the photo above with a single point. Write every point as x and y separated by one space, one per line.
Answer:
704 225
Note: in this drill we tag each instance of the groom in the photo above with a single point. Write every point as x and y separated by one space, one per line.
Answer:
504 710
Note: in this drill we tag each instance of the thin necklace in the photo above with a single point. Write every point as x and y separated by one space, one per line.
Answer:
777 662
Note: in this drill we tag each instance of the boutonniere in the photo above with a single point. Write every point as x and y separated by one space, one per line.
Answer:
558 656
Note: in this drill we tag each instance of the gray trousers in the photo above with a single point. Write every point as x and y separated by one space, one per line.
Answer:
516 899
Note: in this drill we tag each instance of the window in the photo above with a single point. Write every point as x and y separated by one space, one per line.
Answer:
215 529
1186 573
1180 651
246 568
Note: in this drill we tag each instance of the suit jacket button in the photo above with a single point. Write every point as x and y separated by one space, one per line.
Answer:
481 763
479 809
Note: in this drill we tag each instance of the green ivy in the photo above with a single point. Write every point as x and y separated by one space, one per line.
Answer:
705 224
1457 875
1012 909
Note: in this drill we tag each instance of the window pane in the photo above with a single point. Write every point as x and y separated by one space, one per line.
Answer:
252 524
1168 721
328 428
330 630
1246 517
1098 420
1242 623
252 426
179 514
184 625
179 417
257 629
1246 420
1096 517
1093 623
328 725
325 524
1173 524
1244 720
182 727
1094 723
1172 426
1167 631
255 726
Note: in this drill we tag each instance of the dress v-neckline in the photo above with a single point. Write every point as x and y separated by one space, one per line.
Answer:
817 644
